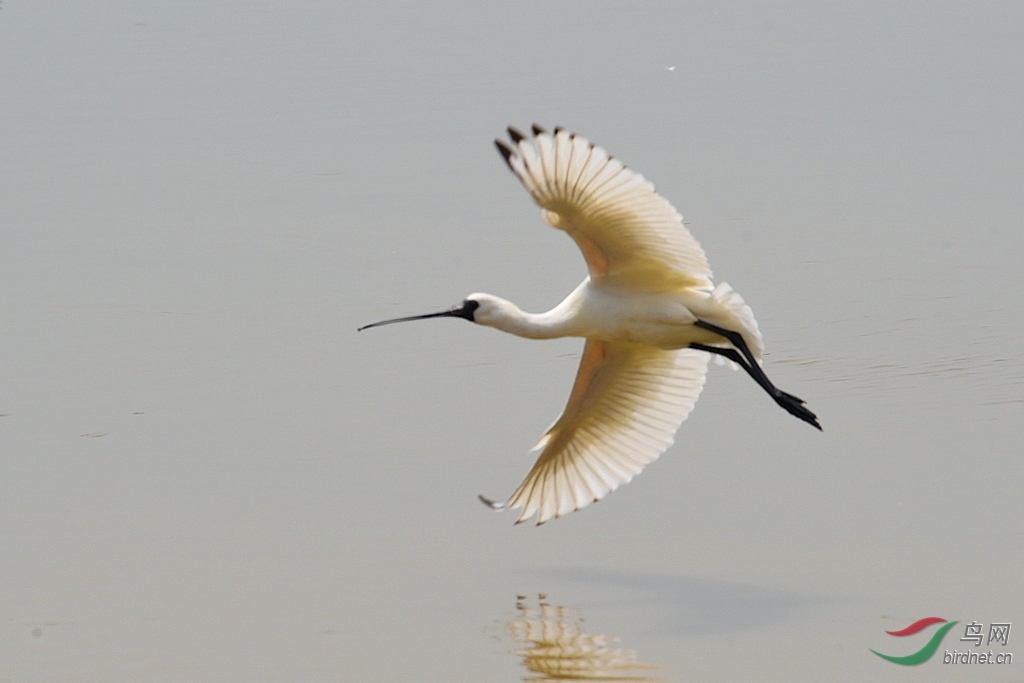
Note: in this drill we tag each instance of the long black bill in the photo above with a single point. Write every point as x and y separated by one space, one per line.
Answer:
463 310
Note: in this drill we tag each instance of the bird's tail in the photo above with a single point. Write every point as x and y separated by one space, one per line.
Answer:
743 322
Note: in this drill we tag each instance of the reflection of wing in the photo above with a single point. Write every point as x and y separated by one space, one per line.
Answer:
627 232
556 649
625 407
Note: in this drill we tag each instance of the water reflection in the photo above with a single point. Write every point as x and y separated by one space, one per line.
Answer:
555 648
688 606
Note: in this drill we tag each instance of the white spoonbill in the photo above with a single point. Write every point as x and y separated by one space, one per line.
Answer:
648 310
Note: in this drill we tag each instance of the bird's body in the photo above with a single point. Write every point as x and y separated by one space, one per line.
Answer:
648 310
664 320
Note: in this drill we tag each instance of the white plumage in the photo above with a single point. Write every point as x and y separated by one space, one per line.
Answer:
623 412
648 310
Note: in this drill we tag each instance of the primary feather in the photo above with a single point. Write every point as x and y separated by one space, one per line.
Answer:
628 233
623 412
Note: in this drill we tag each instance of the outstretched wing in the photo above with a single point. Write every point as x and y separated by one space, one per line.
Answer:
625 407
628 233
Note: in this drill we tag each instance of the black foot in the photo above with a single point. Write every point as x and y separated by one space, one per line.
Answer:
795 407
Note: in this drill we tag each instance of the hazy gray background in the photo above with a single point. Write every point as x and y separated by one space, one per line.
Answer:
206 474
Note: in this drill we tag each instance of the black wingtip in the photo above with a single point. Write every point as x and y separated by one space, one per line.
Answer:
516 135
558 129
505 150
537 130
490 503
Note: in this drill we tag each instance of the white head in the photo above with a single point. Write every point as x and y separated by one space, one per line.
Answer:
490 310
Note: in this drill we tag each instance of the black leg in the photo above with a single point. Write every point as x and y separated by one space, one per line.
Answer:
759 377
731 354
790 403
734 356
737 340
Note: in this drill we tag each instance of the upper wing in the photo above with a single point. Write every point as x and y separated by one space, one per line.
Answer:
626 231
625 407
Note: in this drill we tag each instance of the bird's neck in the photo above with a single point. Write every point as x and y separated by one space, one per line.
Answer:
550 325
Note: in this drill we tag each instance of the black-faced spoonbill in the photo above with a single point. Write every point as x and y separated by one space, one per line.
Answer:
648 310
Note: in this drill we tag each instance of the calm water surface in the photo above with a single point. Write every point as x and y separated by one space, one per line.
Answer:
206 474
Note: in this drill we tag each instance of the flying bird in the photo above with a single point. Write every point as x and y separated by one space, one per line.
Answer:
648 309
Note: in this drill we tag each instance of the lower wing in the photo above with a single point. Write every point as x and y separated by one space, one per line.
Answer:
625 407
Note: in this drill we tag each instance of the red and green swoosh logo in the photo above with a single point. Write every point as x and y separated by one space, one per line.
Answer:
925 652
